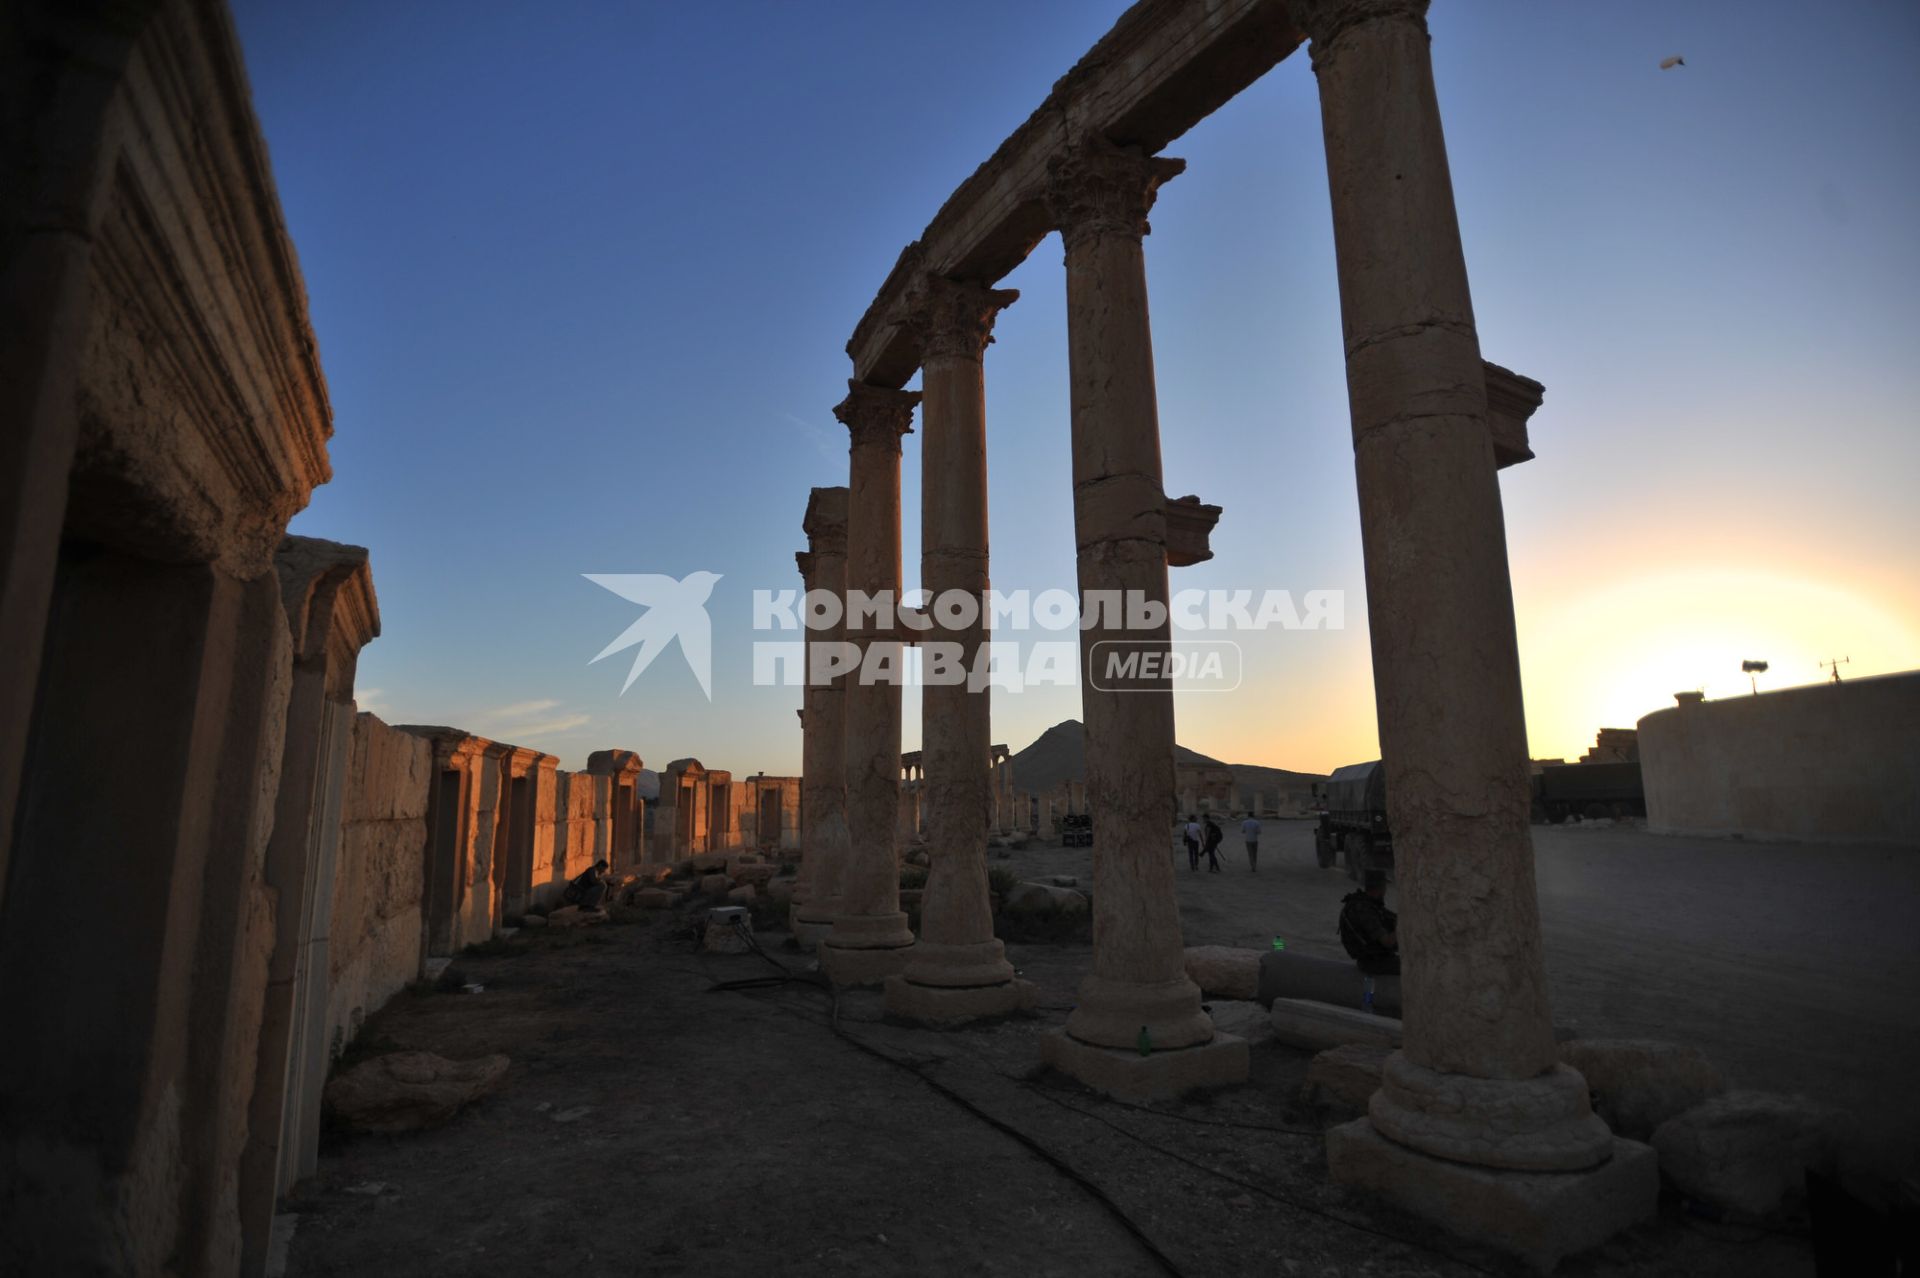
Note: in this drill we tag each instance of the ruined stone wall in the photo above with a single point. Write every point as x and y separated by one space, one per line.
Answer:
579 832
550 841
1832 761
375 934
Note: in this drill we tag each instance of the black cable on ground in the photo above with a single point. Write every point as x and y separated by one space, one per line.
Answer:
1262 1190
1033 1146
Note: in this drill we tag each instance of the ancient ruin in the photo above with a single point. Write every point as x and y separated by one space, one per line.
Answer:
265 867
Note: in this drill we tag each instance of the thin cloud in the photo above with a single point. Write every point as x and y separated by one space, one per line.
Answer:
819 436
518 710
549 727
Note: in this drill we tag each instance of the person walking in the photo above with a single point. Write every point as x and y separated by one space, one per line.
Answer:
1211 846
1192 835
1250 832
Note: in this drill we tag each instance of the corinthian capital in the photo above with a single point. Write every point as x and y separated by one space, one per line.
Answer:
876 416
949 317
1096 188
1325 21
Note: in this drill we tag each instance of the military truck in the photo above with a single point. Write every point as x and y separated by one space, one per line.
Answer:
1589 790
1353 820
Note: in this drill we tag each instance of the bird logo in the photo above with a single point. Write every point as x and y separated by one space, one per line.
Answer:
675 609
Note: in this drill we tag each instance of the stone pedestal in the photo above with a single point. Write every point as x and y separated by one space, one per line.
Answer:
1221 1061
823 780
1099 196
870 940
1477 1081
1541 1217
959 970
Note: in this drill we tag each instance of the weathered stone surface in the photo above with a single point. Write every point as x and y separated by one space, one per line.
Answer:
710 863
566 916
1346 1077
1543 1123
723 937
946 1006
1748 1151
753 873
716 885
1318 1026
1641 1083
743 894
534 921
407 1091
1541 1217
781 891
1044 898
1221 971
654 899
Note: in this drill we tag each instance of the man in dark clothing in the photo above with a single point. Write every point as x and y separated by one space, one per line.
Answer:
1212 846
589 889
1369 930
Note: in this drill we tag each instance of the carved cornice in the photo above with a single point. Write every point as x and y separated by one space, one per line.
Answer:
954 318
1325 21
875 416
1096 188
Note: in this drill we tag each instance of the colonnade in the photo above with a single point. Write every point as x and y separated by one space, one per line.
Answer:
1476 1104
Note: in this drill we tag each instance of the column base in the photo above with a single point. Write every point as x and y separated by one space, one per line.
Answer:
949 1005
1540 1217
807 933
845 966
965 966
1126 1074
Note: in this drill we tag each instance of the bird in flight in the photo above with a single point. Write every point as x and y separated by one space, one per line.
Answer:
1668 64
675 609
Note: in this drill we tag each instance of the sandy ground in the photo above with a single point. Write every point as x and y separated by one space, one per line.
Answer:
772 1130
1792 965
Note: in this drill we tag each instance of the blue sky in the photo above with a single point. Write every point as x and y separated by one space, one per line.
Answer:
582 275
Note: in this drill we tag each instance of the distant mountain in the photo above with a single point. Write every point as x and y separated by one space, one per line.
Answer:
1060 754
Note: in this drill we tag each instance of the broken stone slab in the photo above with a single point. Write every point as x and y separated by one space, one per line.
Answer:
715 885
1346 1077
753 873
1748 1152
1044 898
1292 974
744 894
1064 880
409 1091
1300 1022
1222 971
534 920
566 916
1639 1083
710 863
654 899
1542 1217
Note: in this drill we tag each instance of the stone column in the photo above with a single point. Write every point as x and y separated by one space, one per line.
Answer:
823 779
331 615
1477 1084
959 970
870 940
1139 1030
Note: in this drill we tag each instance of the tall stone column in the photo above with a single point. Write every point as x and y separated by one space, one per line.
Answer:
959 970
1139 1030
1477 1084
870 940
823 745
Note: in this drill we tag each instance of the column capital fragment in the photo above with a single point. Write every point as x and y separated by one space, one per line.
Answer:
954 318
876 416
1325 21
825 522
1095 188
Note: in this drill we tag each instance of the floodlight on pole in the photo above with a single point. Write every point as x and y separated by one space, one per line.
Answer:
1752 669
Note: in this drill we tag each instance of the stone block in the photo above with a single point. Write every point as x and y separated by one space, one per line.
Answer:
407 1091
1346 1077
1120 1072
943 1006
1221 971
743 895
1540 1217
1748 1152
1044 898
752 873
715 885
781 890
654 899
1641 1083
1318 1026
566 916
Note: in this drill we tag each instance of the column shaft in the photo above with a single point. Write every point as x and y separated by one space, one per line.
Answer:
870 939
824 739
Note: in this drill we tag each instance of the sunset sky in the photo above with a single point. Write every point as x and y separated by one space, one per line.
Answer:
582 275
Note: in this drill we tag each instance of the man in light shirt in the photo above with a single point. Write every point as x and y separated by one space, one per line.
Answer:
1250 831
1192 834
